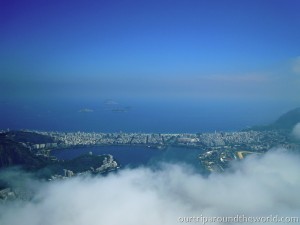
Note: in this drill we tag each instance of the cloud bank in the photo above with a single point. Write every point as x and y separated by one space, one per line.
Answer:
296 131
296 65
254 187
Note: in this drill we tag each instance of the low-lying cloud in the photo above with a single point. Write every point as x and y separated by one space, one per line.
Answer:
296 65
296 131
256 186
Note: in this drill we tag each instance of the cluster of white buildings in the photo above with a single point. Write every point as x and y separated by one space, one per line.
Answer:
258 139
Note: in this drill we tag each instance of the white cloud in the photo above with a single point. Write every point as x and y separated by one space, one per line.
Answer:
296 131
296 65
256 186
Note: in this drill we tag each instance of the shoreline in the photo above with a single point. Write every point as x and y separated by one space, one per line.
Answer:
160 148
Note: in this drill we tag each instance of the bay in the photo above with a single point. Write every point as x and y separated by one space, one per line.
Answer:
136 156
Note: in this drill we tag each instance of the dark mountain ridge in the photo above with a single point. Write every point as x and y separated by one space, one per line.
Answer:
285 122
28 137
13 153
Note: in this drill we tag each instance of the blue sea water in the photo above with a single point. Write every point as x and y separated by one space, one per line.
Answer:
138 115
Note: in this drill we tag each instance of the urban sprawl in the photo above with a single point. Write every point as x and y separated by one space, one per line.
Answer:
219 148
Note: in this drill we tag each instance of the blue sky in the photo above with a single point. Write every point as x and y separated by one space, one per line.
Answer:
192 48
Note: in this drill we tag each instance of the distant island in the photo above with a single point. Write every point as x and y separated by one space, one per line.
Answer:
86 110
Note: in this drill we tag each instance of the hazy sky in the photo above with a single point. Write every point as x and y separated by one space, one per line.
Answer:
150 48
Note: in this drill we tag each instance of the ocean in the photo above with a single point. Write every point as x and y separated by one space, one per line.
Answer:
138 115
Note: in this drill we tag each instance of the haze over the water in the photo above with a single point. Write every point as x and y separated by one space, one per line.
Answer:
191 63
